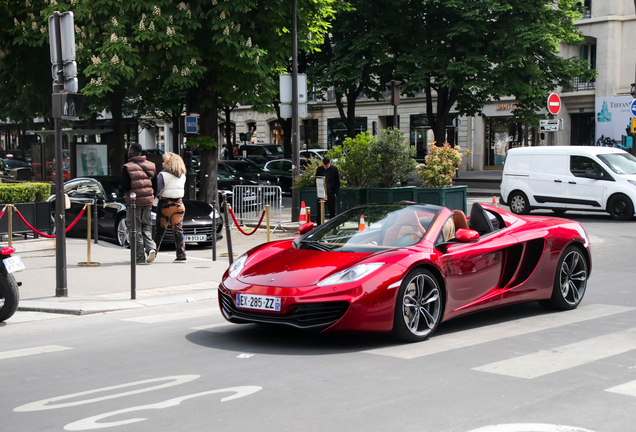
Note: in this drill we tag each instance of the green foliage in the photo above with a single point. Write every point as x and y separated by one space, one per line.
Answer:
307 178
440 167
355 166
202 142
391 158
24 192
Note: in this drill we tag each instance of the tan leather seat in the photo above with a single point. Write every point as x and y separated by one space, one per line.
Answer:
406 224
459 218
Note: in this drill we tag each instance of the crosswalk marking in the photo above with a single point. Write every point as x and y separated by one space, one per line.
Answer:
153 319
467 338
557 359
32 351
628 389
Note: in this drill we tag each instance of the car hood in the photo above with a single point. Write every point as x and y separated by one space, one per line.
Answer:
280 265
194 209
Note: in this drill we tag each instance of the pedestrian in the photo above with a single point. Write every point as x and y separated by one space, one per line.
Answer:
332 181
171 185
138 176
235 151
224 152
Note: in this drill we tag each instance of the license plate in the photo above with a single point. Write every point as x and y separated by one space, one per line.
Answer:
249 198
196 238
13 264
249 301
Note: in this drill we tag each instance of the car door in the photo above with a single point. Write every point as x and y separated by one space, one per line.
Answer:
586 185
547 179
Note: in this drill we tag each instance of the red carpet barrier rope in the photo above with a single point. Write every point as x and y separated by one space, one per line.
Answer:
41 233
239 227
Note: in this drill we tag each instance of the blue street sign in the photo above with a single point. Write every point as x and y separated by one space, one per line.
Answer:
632 107
191 124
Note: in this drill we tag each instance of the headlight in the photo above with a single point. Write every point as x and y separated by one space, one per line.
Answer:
213 212
237 266
632 182
352 274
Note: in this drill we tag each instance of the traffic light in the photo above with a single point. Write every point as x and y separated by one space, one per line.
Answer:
69 76
62 43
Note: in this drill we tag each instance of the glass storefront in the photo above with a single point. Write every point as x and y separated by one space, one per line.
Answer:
337 130
502 134
421 133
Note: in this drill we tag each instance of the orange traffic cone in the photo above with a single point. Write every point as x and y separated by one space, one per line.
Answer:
361 226
303 214
494 200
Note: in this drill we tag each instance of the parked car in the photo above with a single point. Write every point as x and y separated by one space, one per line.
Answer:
260 154
226 180
313 153
111 211
251 171
405 268
282 169
6 165
565 178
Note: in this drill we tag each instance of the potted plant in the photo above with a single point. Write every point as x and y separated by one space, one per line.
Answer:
442 162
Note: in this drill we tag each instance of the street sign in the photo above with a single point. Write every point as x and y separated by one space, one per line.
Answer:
67 106
632 108
633 125
191 124
554 103
286 88
67 33
551 125
286 110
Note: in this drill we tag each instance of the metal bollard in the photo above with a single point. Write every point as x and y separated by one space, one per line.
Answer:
96 229
322 212
308 210
227 229
10 222
132 240
267 220
88 262
213 230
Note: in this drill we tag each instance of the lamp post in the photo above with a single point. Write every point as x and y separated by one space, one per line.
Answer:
295 142
395 98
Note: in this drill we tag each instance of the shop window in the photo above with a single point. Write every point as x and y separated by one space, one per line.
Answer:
337 130
502 134
421 133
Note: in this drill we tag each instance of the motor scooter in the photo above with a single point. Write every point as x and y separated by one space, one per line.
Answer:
9 294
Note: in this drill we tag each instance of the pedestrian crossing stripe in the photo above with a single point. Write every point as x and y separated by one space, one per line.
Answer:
628 389
462 339
565 357
32 351
154 319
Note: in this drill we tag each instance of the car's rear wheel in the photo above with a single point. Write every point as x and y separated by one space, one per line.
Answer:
518 203
570 280
419 306
122 233
620 207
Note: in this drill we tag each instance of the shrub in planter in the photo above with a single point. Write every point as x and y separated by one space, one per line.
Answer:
12 193
391 159
440 167
353 161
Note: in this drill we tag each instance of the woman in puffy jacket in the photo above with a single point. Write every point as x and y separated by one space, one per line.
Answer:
171 186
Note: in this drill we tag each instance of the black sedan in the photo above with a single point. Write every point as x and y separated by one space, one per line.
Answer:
250 171
282 168
106 191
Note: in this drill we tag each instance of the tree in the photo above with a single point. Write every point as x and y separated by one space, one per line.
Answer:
469 52
355 58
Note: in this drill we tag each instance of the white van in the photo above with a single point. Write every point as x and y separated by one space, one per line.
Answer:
565 178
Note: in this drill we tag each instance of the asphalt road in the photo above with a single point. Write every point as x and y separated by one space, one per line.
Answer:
182 367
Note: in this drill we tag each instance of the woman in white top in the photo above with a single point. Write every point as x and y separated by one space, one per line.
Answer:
171 187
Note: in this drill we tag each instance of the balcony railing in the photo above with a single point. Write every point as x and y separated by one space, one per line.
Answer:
581 84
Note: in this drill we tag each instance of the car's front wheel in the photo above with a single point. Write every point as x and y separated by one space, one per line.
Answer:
570 280
518 202
419 307
620 207
122 233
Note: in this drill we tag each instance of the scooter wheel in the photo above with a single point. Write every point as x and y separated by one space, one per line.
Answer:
9 297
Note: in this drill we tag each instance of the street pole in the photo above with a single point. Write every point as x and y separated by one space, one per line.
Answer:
61 289
295 143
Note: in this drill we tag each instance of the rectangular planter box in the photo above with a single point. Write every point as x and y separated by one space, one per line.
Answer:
38 214
453 197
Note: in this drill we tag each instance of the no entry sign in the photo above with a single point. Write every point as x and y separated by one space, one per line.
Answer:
554 103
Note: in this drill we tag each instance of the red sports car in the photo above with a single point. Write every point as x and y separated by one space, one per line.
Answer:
405 268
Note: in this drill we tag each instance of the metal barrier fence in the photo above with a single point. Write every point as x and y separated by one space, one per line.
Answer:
248 203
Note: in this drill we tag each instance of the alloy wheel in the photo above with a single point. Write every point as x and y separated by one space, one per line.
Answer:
421 305
573 277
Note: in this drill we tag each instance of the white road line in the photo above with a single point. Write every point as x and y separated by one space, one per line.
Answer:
153 319
32 351
463 339
628 389
212 326
565 357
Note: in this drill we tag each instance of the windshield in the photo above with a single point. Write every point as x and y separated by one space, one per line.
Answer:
15 163
372 228
113 189
620 163
246 168
274 149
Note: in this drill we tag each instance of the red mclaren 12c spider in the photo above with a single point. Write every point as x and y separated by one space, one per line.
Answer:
405 268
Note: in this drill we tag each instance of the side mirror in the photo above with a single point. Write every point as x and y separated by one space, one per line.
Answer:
466 235
305 228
